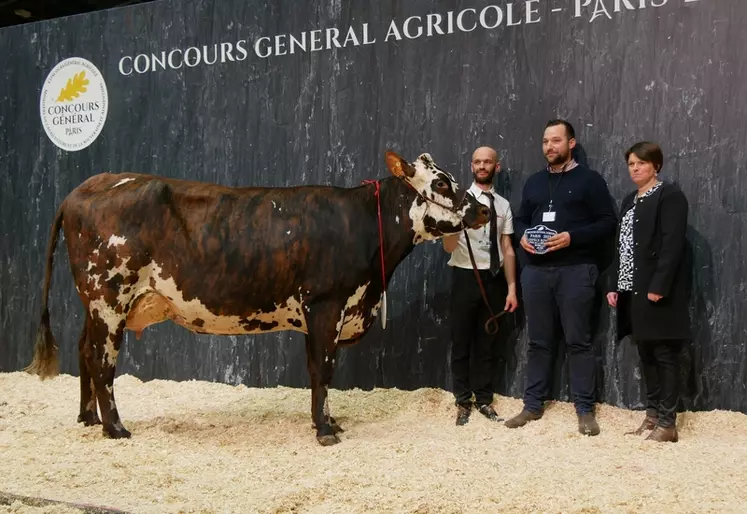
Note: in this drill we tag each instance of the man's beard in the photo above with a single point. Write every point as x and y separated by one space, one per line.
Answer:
558 159
485 180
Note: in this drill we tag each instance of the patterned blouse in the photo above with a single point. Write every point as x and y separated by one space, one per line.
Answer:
625 275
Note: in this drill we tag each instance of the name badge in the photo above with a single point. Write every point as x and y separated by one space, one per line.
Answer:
548 216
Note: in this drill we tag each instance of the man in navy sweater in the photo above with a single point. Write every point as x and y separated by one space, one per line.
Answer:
575 202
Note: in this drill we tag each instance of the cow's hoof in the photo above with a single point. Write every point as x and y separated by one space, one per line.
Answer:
327 440
116 431
336 429
89 418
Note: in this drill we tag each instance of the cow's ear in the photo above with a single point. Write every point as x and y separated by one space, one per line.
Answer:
398 166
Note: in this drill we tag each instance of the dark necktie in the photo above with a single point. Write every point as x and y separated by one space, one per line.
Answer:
495 260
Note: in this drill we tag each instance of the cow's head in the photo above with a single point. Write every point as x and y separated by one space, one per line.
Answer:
439 208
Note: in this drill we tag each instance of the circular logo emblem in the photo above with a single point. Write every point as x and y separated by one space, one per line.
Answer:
73 104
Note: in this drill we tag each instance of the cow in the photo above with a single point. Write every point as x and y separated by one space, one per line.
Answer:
219 260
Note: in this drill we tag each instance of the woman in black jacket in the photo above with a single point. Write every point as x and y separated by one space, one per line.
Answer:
649 286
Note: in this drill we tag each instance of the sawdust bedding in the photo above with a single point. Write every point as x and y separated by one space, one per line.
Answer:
208 447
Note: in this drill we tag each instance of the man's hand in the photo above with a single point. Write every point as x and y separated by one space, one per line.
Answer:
654 297
511 302
558 241
612 299
526 246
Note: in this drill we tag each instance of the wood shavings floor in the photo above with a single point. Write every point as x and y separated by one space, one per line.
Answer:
206 447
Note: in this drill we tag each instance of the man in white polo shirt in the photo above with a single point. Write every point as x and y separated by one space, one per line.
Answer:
496 261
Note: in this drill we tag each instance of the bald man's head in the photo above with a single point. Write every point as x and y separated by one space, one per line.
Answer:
485 165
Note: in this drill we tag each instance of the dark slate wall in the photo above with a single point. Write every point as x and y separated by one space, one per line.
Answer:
673 73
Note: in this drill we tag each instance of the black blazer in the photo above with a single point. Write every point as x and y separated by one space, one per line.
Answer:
660 266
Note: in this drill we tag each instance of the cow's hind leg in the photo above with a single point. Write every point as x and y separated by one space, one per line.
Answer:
88 415
105 340
321 349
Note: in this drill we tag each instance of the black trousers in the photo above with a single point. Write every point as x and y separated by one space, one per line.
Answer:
660 366
660 363
569 289
471 345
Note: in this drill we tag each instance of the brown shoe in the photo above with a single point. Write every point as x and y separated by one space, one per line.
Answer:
649 423
521 419
663 435
587 424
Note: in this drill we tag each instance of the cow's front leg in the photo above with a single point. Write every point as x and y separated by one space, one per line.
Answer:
321 348
88 415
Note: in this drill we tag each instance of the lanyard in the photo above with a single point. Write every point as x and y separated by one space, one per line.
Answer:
549 181
553 189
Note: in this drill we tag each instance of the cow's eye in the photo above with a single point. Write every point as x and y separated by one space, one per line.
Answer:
441 184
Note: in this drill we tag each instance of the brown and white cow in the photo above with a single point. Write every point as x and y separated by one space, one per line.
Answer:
145 249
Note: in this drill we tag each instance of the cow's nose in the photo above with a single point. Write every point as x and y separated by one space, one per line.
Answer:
484 211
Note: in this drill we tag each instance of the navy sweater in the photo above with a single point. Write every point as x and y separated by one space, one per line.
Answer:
583 208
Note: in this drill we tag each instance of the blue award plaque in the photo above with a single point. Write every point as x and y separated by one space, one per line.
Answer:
537 236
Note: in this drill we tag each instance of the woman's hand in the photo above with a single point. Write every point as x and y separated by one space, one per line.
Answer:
612 299
654 297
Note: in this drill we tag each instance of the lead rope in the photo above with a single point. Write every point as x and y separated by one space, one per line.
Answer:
381 252
491 326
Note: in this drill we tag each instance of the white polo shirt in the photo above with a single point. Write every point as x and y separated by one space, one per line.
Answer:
480 238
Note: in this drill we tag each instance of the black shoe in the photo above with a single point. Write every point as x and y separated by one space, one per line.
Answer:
463 412
487 411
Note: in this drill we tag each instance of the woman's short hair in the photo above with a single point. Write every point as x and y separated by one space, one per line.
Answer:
648 152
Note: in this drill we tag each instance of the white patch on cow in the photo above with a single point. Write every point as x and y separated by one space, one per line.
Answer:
377 307
338 327
354 323
417 213
326 402
90 265
95 279
155 297
288 232
123 181
116 241
119 270
396 219
95 252
273 204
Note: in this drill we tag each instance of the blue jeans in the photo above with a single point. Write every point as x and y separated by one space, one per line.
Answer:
571 290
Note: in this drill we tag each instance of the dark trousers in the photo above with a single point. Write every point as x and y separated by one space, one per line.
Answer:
660 363
468 336
570 290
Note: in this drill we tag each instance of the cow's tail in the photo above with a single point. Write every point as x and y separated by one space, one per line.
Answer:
46 362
